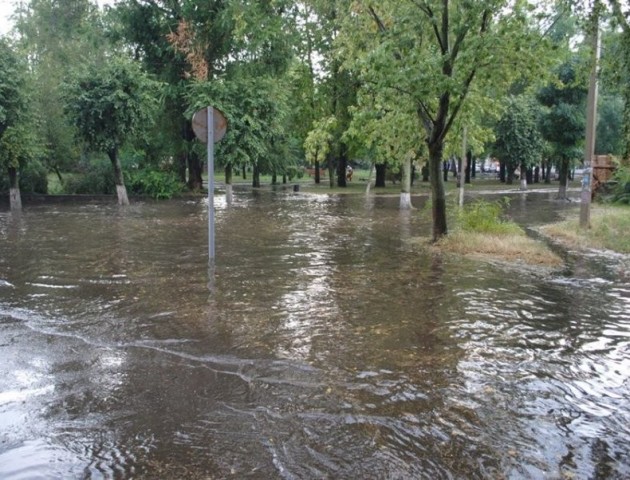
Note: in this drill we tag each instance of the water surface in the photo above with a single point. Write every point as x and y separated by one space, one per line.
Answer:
329 347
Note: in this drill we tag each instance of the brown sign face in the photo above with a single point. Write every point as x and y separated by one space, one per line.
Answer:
200 124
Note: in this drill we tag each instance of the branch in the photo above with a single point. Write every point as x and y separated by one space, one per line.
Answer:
426 117
377 19
460 101
429 13
620 16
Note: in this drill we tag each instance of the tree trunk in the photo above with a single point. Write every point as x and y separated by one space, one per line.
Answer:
229 196
425 172
473 171
438 196
256 177
342 164
119 180
405 186
445 168
284 179
317 173
181 168
274 178
195 182
15 199
244 172
502 171
381 171
564 178
468 164
523 177
536 174
548 172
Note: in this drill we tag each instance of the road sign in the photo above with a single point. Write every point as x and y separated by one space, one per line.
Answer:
200 124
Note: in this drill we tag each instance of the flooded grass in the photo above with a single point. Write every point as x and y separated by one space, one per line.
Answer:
610 230
513 247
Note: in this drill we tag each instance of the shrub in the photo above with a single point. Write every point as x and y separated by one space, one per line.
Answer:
33 179
154 183
95 178
620 185
485 217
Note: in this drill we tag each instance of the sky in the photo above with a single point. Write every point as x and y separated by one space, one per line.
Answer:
6 9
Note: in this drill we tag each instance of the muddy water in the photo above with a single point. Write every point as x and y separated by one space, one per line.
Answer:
329 348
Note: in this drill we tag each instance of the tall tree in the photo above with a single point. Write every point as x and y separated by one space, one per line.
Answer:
12 110
109 104
55 36
518 141
433 53
564 122
621 11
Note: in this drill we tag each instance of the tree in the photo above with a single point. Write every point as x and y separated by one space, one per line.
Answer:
55 36
109 104
518 141
564 122
434 53
620 63
12 110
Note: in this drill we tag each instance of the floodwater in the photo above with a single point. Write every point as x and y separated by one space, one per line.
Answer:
329 347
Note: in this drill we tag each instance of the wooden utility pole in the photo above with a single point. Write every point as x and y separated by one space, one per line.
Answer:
591 123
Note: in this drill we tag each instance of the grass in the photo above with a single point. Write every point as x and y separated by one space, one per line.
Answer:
514 247
480 231
610 230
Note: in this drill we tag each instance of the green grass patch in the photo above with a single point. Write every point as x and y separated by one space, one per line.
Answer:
610 229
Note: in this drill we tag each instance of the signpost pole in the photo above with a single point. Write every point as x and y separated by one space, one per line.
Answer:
210 145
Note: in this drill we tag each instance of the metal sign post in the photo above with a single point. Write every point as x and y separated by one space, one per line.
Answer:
210 125
210 145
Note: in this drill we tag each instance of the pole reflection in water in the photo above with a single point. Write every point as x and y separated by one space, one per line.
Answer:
321 344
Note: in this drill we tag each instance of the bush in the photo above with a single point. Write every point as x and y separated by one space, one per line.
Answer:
33 179
620 186
154 183
485 217
95 178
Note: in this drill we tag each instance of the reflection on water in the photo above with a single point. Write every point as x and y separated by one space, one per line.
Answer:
329 347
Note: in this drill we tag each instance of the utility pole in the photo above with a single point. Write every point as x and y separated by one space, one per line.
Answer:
462 170
591 123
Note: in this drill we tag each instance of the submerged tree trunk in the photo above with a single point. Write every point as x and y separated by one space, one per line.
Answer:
548 172
438 196
405 185
564 179
256 177
15 199
342 164
523 177
119 180
195 182
381 171
228 184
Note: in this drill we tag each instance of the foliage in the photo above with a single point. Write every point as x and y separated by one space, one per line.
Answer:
609 137
12 99
94 178
110 103
433 55
564 122
621 185
486 217
154 183
519 142
256 111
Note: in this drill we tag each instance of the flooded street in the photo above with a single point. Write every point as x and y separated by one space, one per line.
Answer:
329 348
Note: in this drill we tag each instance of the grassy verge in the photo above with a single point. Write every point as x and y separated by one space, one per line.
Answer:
610 229
479 231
